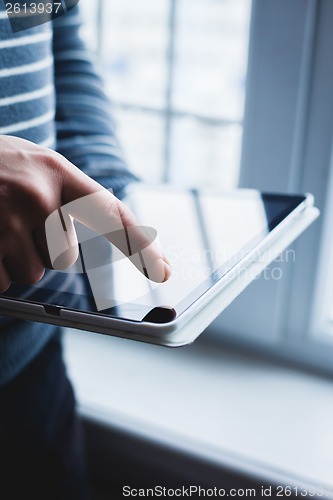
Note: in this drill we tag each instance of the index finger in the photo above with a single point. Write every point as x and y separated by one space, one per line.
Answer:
98 209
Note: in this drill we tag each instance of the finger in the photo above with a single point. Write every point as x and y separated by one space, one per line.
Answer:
22 262
101 211
105 214
142 249
61 240
39 238
5 280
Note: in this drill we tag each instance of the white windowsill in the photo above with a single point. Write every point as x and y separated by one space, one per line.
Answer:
265 419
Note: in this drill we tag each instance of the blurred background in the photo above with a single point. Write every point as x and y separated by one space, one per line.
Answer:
222 93
176 72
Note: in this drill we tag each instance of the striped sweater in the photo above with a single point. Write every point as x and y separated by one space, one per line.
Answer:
50 94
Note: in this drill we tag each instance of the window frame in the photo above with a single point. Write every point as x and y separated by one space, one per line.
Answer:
168 113
283 154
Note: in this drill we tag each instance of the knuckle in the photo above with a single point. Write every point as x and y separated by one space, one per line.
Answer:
121 209
111 205
37 199
13 225
55 162
42 201
117 210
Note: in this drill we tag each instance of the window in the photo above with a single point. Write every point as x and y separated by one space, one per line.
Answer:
287 146
228 93
176 71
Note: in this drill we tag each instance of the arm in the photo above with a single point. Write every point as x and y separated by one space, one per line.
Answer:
85 129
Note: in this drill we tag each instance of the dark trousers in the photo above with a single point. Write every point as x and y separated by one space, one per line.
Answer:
41 445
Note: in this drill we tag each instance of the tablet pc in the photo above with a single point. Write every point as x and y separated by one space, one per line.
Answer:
209 237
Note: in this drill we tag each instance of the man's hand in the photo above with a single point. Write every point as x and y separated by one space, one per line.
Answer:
34 183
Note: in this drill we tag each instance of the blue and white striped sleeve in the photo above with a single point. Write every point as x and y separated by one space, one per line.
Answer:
85 128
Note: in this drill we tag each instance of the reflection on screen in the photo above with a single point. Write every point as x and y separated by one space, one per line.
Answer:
204 235
199 233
